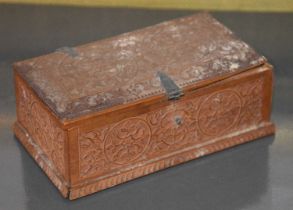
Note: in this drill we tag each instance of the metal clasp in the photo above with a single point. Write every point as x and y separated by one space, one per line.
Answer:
172 90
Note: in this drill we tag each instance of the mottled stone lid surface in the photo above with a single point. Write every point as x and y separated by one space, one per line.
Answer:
114 71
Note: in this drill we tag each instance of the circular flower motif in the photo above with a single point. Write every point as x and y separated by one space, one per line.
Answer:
219 112
127 141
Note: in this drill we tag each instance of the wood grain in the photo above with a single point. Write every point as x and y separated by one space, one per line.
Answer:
98 142
97 155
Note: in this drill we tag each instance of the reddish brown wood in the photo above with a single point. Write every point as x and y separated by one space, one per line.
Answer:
105 147
194 51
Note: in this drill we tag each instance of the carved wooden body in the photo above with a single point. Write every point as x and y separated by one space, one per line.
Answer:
85 147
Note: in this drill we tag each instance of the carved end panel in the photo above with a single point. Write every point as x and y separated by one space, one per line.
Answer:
43 130
183 125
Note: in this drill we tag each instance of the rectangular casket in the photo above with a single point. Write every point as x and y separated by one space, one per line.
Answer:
107 112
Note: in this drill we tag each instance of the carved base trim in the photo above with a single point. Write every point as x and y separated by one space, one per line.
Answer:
185 155
38 155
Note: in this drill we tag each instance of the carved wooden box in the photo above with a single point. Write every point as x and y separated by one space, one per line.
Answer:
107 112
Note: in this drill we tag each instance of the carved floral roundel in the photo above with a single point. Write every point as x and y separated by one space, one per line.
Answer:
219 112
127 141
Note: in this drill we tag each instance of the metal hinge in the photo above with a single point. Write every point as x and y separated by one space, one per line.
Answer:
172 90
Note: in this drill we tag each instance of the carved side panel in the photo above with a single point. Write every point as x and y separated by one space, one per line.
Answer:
169 129
40 125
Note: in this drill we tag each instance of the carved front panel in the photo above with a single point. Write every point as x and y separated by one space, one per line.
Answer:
46 133
169 129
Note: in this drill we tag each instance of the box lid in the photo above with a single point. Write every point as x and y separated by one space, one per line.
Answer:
127 68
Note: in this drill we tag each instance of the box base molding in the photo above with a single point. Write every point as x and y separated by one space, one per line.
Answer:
101 183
